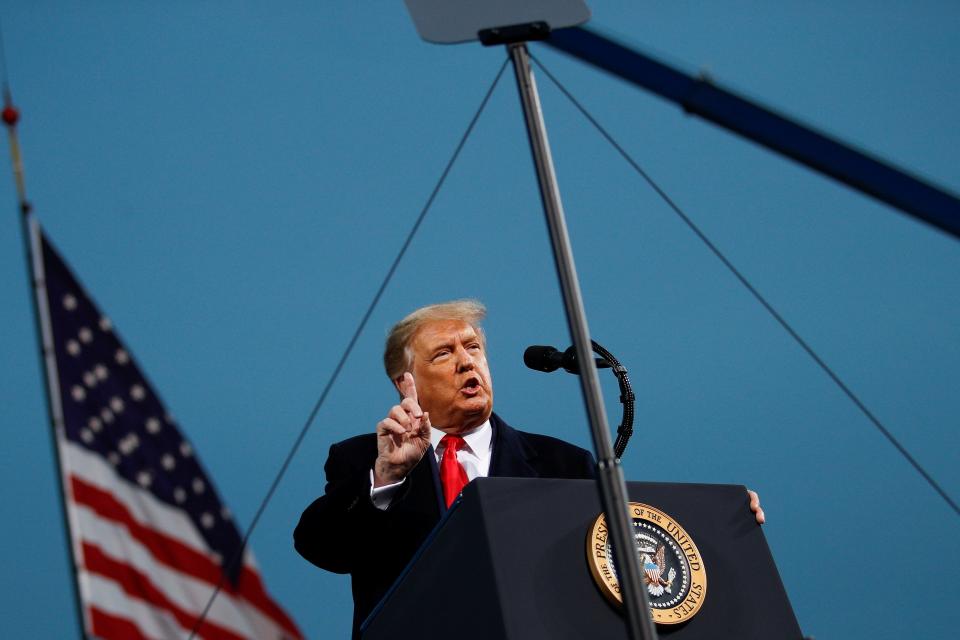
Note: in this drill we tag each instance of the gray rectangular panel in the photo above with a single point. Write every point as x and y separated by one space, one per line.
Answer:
453 21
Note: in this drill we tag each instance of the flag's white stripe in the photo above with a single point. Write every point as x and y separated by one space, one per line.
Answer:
106 595
186 592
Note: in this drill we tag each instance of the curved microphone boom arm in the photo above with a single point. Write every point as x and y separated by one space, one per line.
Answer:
625 430
548 359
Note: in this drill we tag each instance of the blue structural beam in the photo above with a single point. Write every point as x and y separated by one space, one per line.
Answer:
764 126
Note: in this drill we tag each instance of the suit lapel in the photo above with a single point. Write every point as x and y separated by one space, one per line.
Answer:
512 456
435 478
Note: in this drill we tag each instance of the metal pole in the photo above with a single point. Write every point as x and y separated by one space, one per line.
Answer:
31 232
41 314
613 490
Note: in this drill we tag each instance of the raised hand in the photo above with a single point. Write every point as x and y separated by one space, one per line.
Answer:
402 437
755 506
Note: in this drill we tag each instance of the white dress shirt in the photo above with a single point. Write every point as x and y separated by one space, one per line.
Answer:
474 456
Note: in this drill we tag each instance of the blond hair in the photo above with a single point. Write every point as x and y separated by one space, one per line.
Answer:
397 355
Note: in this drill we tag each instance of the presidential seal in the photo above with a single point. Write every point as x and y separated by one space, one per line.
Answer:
673 571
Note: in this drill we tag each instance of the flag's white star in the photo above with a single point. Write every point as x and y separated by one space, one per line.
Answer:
85 335
86 435
100 371
73 347
144 478
106 415
121 356
153 425
137 392
69 302
185 449
78 393
168 462
198 485
95 424
128 444
116 404
180 495
105 324
89 379
206 520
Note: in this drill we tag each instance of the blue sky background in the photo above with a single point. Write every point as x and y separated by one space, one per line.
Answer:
231 182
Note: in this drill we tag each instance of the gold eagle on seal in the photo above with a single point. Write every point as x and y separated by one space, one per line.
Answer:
653 565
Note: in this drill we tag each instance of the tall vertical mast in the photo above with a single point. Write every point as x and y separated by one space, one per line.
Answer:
610 480
33 252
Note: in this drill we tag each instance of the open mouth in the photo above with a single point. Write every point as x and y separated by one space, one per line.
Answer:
471 387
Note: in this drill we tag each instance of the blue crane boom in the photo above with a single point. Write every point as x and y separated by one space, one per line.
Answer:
830 156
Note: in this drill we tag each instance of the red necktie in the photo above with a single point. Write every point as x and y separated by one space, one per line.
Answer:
452 475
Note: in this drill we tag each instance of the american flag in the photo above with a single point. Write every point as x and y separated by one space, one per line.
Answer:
150 535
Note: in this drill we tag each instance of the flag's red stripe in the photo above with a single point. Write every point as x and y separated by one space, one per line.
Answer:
110 627
179 556
139 586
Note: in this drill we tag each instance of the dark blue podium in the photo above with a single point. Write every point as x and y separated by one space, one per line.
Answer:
520 545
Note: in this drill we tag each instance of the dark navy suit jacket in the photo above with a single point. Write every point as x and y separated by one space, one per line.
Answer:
343 532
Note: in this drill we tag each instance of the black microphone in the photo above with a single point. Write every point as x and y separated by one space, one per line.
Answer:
547 359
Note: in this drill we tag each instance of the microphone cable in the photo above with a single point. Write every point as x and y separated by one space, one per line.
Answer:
753 291
627 399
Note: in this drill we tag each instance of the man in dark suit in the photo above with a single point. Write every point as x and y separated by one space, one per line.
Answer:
384 491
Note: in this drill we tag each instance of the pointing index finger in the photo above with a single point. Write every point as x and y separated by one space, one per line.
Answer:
408 387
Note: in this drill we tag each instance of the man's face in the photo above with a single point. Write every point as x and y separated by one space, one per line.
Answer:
452 376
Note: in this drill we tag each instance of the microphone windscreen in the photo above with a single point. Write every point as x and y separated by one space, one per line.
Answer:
542 358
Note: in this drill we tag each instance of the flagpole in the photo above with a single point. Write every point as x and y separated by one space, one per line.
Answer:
41 314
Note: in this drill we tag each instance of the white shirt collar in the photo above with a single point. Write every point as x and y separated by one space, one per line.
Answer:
477 439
